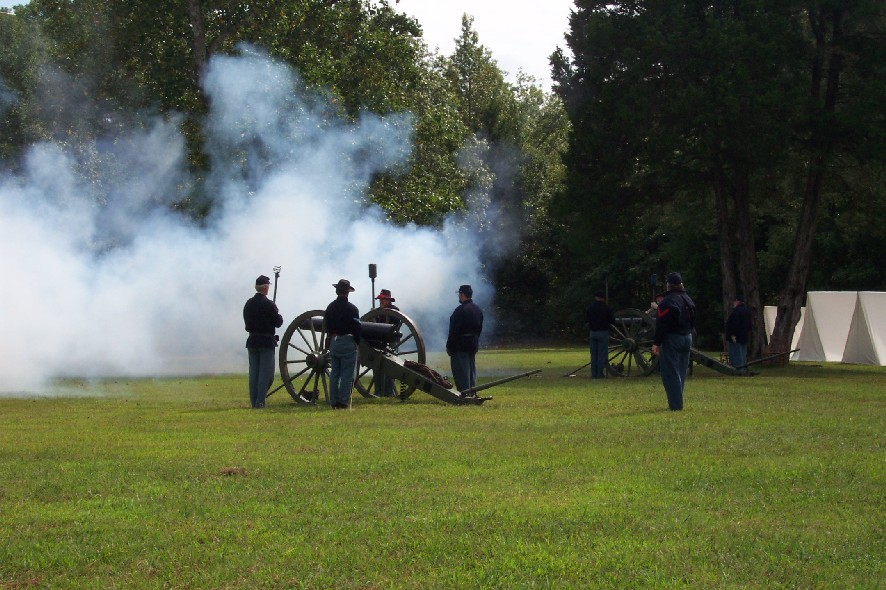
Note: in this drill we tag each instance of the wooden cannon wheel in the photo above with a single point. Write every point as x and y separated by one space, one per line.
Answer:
410 347
630 344
304 356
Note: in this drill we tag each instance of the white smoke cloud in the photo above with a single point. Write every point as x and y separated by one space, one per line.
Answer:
100 279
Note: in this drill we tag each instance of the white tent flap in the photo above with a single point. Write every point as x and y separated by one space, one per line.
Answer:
826 326
866 341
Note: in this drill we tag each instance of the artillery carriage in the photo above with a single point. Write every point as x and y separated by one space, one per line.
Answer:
630 348
391 347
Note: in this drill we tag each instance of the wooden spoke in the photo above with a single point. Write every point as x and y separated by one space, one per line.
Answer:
630 344
302 349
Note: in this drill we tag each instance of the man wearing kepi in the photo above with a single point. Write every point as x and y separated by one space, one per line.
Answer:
738 329
344 329
599 317
465 326
674 321
261 317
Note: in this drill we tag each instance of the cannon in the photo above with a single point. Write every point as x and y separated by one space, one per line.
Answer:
630 344
391 346
630 348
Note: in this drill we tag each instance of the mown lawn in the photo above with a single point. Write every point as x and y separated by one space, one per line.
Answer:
774 481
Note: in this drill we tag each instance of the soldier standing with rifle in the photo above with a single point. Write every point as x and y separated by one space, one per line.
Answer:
261 317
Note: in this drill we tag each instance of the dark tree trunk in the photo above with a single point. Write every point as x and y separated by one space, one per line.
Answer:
727 255
827 58
749 280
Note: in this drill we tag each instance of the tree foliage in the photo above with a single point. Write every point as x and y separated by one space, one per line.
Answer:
519 135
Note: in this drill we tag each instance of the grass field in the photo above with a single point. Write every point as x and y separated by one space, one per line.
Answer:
775 481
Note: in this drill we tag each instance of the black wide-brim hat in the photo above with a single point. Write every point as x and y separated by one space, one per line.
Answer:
344 285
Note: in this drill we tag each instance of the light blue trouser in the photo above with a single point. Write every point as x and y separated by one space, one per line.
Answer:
599 353
464 369
261 375
673 364
343 353
738 355
384 385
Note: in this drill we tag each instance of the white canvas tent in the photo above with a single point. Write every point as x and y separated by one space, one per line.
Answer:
826 325
866 340
769 313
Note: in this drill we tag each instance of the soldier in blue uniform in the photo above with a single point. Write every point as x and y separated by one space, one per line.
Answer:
674 321
465 326
344 329
261 317
600 318
384 385
738 330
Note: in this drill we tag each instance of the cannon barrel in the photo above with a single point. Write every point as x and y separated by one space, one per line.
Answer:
372 331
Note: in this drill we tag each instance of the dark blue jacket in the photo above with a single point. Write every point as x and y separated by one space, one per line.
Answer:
599 316
675 315
261 318
739 324
465 326
342 317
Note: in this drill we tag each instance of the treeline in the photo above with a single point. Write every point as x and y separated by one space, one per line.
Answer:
741 143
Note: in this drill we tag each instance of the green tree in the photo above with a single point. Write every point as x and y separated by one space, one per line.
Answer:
430 185
527 278
479 84
843 119
17 81
57 52
513 163
139 55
